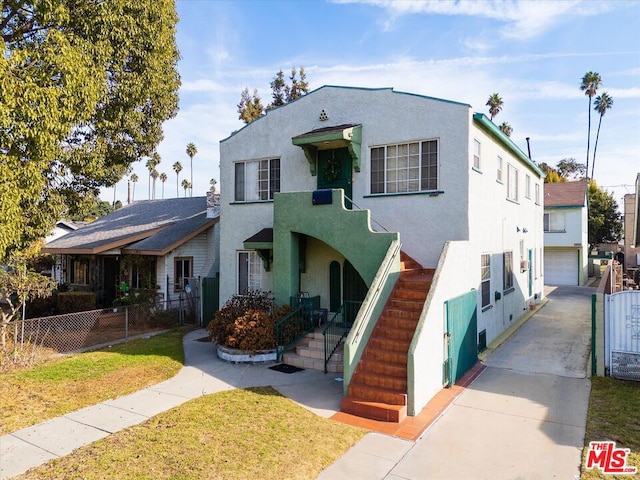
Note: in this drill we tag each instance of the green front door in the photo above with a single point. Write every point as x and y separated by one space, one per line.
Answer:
334 171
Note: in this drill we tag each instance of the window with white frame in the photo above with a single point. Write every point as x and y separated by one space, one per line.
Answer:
257 180
554 222
507 270
485 279
499 169
476 154
537 189
182 270
512 182
249 271
405 167
527 186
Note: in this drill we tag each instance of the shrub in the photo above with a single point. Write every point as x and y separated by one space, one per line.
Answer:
69 302
247 322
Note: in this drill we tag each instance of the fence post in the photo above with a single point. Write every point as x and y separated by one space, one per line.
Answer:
126 323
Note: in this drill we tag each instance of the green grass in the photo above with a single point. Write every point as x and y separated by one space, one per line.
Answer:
236 434
614 414
60 386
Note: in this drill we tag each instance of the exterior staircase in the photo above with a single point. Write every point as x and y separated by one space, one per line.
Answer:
309 354
378 387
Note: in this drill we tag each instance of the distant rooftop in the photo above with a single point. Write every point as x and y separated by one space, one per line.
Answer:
565 194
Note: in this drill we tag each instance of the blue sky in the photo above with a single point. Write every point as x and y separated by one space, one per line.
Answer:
532 53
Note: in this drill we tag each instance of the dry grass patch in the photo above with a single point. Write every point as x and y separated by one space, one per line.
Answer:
66 384
614 406
237 434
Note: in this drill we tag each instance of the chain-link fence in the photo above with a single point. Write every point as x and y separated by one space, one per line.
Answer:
80 330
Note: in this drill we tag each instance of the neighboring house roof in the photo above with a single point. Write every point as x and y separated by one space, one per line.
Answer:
149 227
565 194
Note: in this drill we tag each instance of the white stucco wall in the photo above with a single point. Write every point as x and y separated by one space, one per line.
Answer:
425 222
499 225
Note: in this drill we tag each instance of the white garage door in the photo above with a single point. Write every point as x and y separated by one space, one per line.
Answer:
561 267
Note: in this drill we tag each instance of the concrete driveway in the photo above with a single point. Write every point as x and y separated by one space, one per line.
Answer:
524 417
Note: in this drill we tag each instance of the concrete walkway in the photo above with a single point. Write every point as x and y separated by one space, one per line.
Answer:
202 374
522 418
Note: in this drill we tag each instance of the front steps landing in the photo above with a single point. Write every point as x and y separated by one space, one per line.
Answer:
309 354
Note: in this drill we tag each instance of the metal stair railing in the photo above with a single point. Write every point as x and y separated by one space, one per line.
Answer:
338 328
292 328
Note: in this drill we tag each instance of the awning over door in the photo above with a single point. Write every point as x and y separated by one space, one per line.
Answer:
327 138
262 243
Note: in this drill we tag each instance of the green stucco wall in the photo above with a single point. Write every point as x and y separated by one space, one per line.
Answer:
347 231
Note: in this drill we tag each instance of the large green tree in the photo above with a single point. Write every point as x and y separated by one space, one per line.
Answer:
605 221
84 89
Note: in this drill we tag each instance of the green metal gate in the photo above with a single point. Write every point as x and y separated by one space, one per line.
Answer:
462 335
210 298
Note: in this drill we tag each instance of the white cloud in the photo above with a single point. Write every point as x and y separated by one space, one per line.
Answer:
523 19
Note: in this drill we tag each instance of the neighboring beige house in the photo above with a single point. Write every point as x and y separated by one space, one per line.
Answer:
566 233
631 235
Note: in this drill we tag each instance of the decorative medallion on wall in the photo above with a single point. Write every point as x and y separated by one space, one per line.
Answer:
324 116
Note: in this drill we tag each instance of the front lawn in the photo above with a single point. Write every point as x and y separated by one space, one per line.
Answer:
236 434
60 386
614 415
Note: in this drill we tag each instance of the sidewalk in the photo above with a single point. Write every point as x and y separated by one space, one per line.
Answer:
202 374
523 415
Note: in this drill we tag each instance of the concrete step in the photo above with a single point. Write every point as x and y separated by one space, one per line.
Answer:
374 410
292 358
368 393
389 382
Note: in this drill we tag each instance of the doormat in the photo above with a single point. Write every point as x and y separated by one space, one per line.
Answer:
284 368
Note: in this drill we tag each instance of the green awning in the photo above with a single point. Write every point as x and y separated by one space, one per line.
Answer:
263 240
328 138
262 243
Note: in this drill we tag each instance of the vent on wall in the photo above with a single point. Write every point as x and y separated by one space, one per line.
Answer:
482 341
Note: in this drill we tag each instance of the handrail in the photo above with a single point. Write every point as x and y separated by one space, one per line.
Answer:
370 216
291 329
376 294
335 330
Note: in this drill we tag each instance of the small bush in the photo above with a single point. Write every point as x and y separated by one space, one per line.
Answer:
247 322
69 302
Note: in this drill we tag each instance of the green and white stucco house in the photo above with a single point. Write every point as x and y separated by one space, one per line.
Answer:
419 222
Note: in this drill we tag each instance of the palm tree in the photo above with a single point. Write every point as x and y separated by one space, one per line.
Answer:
163 178
177 167
495 105
191 151
602 103
185 185
590 84
154 174
506 129
134 180
150 166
